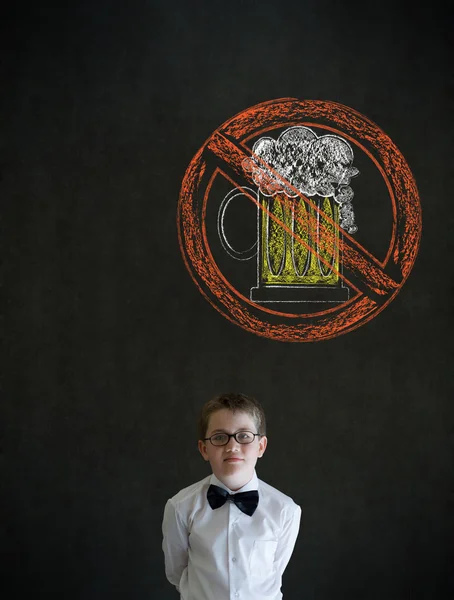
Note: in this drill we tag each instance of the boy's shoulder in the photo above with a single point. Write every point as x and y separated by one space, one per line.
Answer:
275 498
191 492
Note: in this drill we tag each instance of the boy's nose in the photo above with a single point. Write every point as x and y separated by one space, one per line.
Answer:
232 443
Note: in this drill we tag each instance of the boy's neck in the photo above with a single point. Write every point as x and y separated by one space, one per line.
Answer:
234 485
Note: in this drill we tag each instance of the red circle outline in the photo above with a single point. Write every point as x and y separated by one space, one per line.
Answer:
402 253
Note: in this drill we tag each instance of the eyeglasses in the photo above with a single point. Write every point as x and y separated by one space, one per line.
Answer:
242 437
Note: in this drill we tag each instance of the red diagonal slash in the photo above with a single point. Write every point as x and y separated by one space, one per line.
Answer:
359 263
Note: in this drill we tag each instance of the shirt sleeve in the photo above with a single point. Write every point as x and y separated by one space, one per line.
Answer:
287 538
174 544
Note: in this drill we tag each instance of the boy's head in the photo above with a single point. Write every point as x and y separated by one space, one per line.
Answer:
232 460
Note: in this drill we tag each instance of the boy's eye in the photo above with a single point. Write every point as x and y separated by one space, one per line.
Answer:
220 437
244 435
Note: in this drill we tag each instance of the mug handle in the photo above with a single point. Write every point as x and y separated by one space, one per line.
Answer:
237 254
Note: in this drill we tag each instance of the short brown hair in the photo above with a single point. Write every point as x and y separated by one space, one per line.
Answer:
232 401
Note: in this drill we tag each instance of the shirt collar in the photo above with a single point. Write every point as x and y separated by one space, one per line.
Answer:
253 484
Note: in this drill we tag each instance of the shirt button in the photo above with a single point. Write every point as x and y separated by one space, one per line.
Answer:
234 560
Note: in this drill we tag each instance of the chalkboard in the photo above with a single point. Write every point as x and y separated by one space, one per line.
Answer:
113 341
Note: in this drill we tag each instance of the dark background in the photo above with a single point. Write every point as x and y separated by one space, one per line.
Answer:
111 349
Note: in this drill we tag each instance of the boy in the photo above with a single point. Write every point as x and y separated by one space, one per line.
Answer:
230 535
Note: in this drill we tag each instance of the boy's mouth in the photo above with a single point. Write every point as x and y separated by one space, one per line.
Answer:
233 459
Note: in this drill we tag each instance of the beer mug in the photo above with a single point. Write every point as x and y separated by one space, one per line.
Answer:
297 248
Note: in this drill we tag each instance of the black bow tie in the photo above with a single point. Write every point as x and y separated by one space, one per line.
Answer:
246 501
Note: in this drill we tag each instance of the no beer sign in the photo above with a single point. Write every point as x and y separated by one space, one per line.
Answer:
299 220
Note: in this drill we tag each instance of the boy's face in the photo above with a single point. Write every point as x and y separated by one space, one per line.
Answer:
234 463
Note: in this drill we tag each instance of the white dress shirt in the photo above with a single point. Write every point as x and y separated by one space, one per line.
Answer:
224 554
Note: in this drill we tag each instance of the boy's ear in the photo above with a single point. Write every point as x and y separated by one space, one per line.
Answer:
203 449
262 445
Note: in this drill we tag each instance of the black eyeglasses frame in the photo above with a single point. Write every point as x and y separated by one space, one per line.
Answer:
233 435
